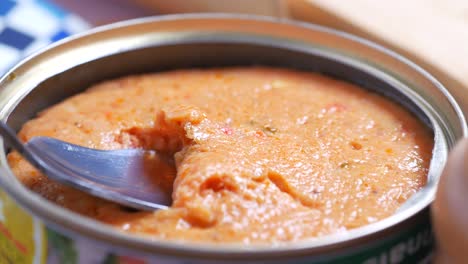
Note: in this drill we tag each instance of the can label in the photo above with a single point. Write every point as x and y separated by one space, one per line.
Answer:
414 245
22 238
25 239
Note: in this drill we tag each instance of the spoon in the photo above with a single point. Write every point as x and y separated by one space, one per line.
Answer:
115 175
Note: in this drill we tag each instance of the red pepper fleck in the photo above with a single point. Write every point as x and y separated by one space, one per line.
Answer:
259 133
404 128
335 107
108 115
227 130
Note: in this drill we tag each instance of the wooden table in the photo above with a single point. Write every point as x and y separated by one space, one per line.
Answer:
433 33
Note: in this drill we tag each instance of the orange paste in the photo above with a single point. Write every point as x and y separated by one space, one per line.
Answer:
262 155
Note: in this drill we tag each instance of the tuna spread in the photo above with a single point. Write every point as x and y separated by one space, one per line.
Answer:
261 155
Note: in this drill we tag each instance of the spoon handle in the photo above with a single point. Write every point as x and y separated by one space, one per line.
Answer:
9 136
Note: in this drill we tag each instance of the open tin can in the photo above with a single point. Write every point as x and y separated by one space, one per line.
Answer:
34 230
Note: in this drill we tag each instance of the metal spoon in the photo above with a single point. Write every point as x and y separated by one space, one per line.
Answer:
115 175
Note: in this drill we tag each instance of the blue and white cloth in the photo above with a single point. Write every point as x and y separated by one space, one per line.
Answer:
28 25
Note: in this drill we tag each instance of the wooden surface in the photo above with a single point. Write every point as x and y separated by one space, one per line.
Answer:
433 33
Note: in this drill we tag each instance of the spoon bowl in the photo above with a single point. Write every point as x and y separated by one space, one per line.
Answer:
121 176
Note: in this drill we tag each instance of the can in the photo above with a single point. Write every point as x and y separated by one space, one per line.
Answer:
34 230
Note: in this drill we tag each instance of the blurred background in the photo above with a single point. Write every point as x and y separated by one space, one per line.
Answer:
433 33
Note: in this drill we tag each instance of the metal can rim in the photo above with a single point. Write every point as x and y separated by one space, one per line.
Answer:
61 218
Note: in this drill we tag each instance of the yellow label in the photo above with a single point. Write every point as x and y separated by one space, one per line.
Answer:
22 238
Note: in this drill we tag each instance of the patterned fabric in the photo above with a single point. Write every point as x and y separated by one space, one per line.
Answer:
28 25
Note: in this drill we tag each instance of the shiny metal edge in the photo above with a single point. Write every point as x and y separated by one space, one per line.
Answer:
63 219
